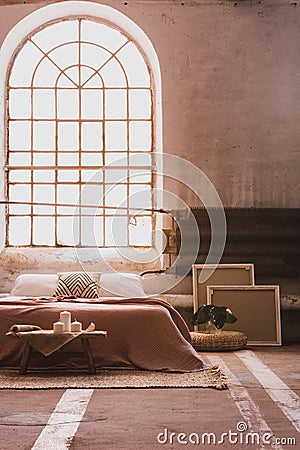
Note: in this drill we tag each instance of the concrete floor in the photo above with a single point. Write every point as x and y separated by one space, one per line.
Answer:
134 418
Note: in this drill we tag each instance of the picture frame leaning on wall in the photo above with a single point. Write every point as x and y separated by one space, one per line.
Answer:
222 274
257 309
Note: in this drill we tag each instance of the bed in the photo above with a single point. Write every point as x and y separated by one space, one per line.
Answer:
142 332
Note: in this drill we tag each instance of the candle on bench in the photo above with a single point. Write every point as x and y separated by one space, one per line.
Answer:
76 326
65 318
58 327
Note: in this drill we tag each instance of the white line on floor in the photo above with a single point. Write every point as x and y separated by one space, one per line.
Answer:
64 421
247 407
286 399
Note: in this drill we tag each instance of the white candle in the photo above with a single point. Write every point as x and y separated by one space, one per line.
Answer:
76 326
58 327
65 318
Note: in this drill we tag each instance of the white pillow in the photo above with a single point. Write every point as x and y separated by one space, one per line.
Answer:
35 284
120 285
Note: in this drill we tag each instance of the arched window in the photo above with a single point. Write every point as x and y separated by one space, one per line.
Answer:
80 130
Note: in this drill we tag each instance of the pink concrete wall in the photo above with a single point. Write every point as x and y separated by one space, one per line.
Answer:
231 91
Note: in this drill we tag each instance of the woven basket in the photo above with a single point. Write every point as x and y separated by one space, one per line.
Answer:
225 340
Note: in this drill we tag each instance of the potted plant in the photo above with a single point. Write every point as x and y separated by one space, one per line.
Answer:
214 316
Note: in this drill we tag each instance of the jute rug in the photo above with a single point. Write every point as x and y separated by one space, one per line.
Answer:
210 378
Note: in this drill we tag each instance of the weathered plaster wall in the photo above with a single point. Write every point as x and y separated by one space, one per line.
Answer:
231 90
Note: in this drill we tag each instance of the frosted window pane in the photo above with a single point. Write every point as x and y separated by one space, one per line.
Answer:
113 75
102 34
93 176
138 176
115 104
116 231
44 176
20 193
43 194
91 104
134 65
142 159
116 135
87 232
19 209
43 159
19 135
91 195
139 104
68 79
19 103
98 231
15 225
43 135
19 159
93 56
116 159
67 195
140 196
116 195
68 136
43 231
89 78
68 159
140 136
91 136
57 33
91 159
116 176
93 82
24 65
46 74
67 230
20 175
65 56
141 233
68 175
67 104
43 104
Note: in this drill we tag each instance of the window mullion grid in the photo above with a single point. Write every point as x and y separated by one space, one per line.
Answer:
31 160
128 161
56 166
80 136
104 164
7 171
153 164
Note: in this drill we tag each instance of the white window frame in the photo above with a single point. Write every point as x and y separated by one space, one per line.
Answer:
59 11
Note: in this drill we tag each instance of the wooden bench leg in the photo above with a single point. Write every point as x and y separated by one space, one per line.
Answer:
25 359
88 355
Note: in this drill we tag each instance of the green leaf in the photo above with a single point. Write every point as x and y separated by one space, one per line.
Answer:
202 315
219 316
230 318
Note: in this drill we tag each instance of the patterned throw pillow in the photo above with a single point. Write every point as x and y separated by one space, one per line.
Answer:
80 284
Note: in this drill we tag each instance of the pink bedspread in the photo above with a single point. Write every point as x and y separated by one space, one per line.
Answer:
142 333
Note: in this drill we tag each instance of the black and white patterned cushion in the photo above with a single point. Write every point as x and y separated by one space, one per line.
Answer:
80 284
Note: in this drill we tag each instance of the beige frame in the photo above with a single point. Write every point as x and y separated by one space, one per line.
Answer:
256 307
223 274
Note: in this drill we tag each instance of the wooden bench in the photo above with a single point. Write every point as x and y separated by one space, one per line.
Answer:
84 338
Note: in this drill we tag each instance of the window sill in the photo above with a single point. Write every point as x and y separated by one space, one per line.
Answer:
14 260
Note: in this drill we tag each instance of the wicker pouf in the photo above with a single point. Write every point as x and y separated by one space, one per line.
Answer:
216 342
